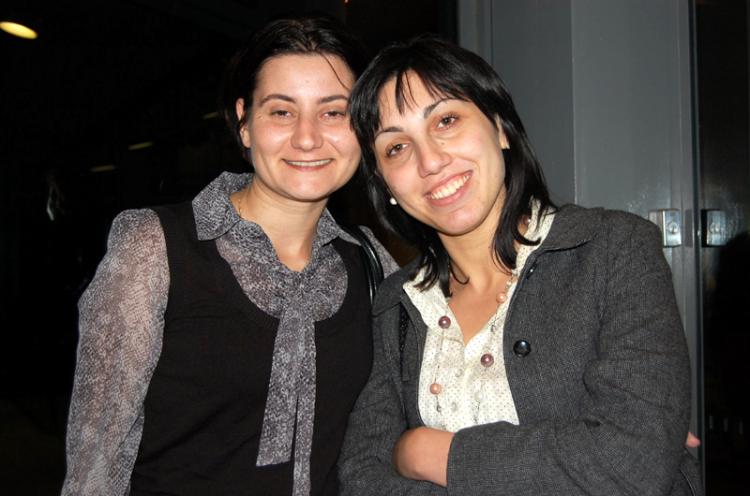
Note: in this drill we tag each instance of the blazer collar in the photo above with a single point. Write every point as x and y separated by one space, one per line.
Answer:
573 226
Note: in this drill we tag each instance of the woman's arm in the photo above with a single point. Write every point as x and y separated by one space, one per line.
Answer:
422 454
375 424
120 334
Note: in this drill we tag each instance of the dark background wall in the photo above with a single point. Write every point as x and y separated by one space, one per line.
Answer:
724 142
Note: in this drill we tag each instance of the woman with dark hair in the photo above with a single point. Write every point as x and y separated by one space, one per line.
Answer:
529 349
223 341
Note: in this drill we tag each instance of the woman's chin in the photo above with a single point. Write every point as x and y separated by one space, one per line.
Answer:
457 228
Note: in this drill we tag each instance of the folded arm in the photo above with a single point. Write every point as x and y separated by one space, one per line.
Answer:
628 437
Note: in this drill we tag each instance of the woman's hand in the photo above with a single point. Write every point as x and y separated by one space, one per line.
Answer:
692 441
422 454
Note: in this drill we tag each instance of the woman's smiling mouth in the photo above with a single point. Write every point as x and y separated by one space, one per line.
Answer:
449 188
309 163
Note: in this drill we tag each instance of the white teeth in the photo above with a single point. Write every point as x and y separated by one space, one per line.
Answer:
450 188
309 163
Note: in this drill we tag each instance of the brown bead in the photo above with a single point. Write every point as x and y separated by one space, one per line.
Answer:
487 360
444 322
435 388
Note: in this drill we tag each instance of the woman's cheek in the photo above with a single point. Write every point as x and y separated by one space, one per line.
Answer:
343 139
397 182
271 137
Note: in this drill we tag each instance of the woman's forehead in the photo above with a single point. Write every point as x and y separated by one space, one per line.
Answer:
407 93
291 68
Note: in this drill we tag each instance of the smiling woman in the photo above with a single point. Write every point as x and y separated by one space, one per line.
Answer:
296 127
529 349
438 133
216 333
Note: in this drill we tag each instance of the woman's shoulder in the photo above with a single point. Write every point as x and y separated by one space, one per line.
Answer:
611 223
597 214
136 230
386 260
143 220
392 287
400 276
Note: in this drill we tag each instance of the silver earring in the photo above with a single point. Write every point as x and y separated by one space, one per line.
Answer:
393 201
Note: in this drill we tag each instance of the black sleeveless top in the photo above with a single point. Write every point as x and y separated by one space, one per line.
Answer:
205 402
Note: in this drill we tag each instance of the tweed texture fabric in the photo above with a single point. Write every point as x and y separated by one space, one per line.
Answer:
597 364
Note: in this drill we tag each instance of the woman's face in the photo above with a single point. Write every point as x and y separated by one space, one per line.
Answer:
302 146
441 159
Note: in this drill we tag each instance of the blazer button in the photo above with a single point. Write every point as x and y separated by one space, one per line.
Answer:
531 270
521 348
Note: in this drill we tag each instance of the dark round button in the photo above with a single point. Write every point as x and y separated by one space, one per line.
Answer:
521 348
444 322
530 271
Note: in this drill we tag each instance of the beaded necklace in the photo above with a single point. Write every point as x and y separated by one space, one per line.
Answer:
487 359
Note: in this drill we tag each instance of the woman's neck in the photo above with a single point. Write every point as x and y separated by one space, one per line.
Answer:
481 281
476 265
473 257
290 225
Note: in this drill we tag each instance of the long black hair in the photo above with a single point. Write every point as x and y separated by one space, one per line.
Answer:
307 35
447 70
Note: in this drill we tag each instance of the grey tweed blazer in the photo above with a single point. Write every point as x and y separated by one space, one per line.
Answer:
597 365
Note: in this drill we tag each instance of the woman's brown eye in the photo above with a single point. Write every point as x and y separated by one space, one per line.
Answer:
448 120
393 150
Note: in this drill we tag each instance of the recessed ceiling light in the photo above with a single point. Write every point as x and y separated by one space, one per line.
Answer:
19 30
140 146
103 168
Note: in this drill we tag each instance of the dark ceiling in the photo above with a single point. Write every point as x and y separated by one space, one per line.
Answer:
104 75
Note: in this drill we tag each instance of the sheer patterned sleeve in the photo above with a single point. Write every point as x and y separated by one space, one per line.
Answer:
120 335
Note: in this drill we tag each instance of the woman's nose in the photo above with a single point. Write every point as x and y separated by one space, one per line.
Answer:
432 158
306 135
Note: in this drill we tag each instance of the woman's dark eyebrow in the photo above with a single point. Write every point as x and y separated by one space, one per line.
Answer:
425 114
276 96
392 129
286 98
332 98
429 108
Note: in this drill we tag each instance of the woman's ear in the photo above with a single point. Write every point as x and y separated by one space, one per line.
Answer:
504 144
239 107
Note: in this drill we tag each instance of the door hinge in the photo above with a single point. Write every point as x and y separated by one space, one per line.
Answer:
669 221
